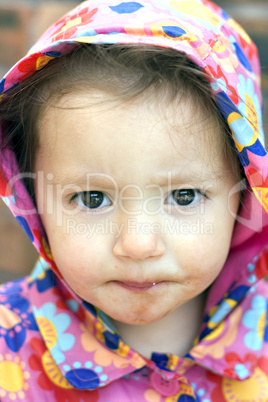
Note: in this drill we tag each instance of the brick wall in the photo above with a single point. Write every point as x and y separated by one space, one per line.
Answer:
14 33
21 23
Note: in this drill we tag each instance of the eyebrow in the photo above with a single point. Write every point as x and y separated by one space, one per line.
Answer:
192 178
83 179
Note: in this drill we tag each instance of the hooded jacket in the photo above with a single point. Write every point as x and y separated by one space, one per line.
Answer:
55 346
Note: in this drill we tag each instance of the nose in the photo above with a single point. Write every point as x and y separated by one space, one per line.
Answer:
139 246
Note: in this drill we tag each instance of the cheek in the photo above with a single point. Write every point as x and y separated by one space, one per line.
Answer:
201 258
79 259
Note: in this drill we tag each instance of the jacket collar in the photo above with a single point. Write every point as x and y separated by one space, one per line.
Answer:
89 352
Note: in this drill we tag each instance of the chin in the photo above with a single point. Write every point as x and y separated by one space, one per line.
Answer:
136 319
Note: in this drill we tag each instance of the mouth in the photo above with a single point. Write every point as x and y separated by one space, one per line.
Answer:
138 286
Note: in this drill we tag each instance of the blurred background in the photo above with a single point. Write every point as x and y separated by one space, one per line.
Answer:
21 23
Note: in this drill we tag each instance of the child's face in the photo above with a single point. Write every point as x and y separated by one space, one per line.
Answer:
134 247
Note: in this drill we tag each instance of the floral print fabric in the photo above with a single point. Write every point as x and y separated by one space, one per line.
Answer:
56 347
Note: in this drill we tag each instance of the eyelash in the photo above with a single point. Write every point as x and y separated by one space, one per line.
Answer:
194 193
104 200
77 198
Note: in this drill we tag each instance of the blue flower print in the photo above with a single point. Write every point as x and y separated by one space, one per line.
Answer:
250 106
266 325
200 392
52 327
24 224
2 85
90 376
11 288
241 371
188 398
240 54
46 281
15 320
255 320
127 7
42 276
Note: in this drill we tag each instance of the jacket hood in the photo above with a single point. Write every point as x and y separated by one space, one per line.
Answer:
222 49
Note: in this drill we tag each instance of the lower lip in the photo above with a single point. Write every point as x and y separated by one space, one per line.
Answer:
138 287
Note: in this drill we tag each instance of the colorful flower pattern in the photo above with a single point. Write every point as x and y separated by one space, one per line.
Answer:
52 328
16 318
51 379
55 345
255 319
203 31
253 389
14 378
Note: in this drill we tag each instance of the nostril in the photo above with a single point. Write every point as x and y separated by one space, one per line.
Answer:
139 247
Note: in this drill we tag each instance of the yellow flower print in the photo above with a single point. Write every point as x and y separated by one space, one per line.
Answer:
103 356
122 349
251 112
48 331
42 61
234 25
222 336
250 106
261 325
196 9
13 377
53 373
46 248
52 327
184 390
251 390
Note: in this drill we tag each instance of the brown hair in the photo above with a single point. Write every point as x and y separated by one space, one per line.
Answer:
124 71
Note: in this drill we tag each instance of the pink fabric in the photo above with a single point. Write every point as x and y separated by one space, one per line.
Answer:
54 346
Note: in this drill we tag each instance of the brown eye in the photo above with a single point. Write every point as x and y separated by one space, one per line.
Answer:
184 197
92 199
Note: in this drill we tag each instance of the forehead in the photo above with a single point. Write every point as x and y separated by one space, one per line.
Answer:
95 124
